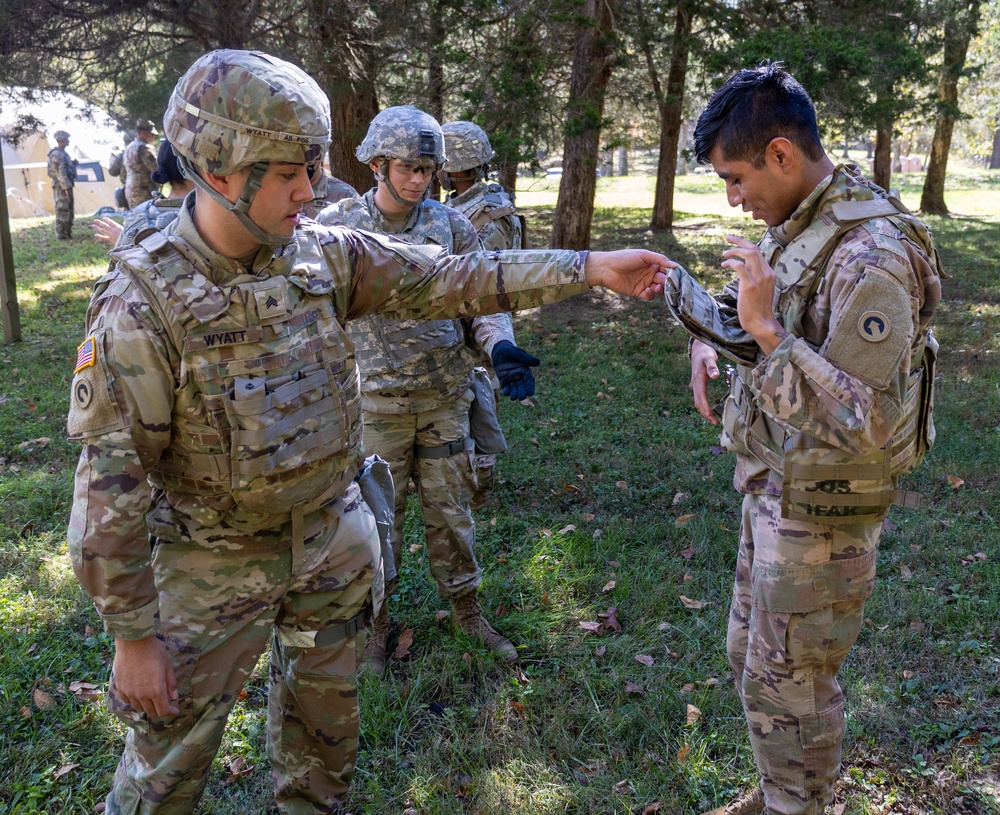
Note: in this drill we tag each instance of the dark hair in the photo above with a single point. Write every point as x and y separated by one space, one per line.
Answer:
167 170
755 106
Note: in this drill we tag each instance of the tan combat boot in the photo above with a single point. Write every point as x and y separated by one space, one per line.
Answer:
467 615
374 656
752 803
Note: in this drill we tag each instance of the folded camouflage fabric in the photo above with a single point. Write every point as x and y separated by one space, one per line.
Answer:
704 319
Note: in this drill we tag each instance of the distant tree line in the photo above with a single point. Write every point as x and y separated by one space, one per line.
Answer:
574 77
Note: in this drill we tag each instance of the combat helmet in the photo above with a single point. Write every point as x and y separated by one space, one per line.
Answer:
406 133
469 151
237 109
60 135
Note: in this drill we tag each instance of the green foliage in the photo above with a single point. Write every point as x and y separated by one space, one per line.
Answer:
612 496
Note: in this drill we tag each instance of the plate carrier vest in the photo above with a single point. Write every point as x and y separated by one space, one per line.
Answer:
822 483
267 416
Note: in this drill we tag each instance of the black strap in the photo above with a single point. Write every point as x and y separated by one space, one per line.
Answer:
341 631
445 450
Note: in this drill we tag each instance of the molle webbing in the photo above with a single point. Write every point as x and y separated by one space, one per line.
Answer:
824 484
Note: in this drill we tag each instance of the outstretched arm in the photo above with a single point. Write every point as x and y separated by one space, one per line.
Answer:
634 272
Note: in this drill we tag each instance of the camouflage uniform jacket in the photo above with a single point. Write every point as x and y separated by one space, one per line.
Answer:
797 387
140 163
61 169
328 190
133 399
493 214
410 366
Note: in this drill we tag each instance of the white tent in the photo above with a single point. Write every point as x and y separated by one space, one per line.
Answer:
93 137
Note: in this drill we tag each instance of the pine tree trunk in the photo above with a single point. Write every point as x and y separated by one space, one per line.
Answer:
958 31
592 60
995 155
882 161
671 113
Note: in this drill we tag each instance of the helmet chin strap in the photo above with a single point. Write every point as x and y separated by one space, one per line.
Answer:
239 209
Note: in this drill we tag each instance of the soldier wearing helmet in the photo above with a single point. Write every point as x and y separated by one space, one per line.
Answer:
62 171
327 189
466 175
140 164
221 495
492 212
418 377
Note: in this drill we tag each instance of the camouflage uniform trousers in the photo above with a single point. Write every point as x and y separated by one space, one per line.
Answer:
217 613
63 197
798 604
445 487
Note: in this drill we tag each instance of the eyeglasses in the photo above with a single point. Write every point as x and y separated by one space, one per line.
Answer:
411 167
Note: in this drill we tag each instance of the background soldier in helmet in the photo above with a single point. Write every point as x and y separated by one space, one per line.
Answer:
417 376
466 175
140 164
62 171
156 212
327 189
220 495
827 322
500 226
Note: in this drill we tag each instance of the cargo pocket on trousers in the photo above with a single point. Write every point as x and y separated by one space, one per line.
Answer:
184 659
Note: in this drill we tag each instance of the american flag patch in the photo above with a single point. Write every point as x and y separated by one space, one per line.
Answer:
85 355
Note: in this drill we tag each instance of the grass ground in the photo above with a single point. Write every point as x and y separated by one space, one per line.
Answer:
613 504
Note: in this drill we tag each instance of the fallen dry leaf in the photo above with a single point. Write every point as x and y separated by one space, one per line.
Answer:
608 587
239 767
442 615
594 628
571 488
634 687
42 699
85 691
693 714
25 712
663 626
689 603
687 687
681 520
904 573
683 753
954 481
653 808
599 650
610 619
404 644
687 554
680 497
645 659
588 517
65 769
622 485
567 529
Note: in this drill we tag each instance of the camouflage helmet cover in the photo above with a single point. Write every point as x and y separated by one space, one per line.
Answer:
468 146
234 108
403 132
61 135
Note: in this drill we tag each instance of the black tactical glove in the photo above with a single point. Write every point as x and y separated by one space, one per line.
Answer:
513 368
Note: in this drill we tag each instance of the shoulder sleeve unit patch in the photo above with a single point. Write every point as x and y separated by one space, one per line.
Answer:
92 407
